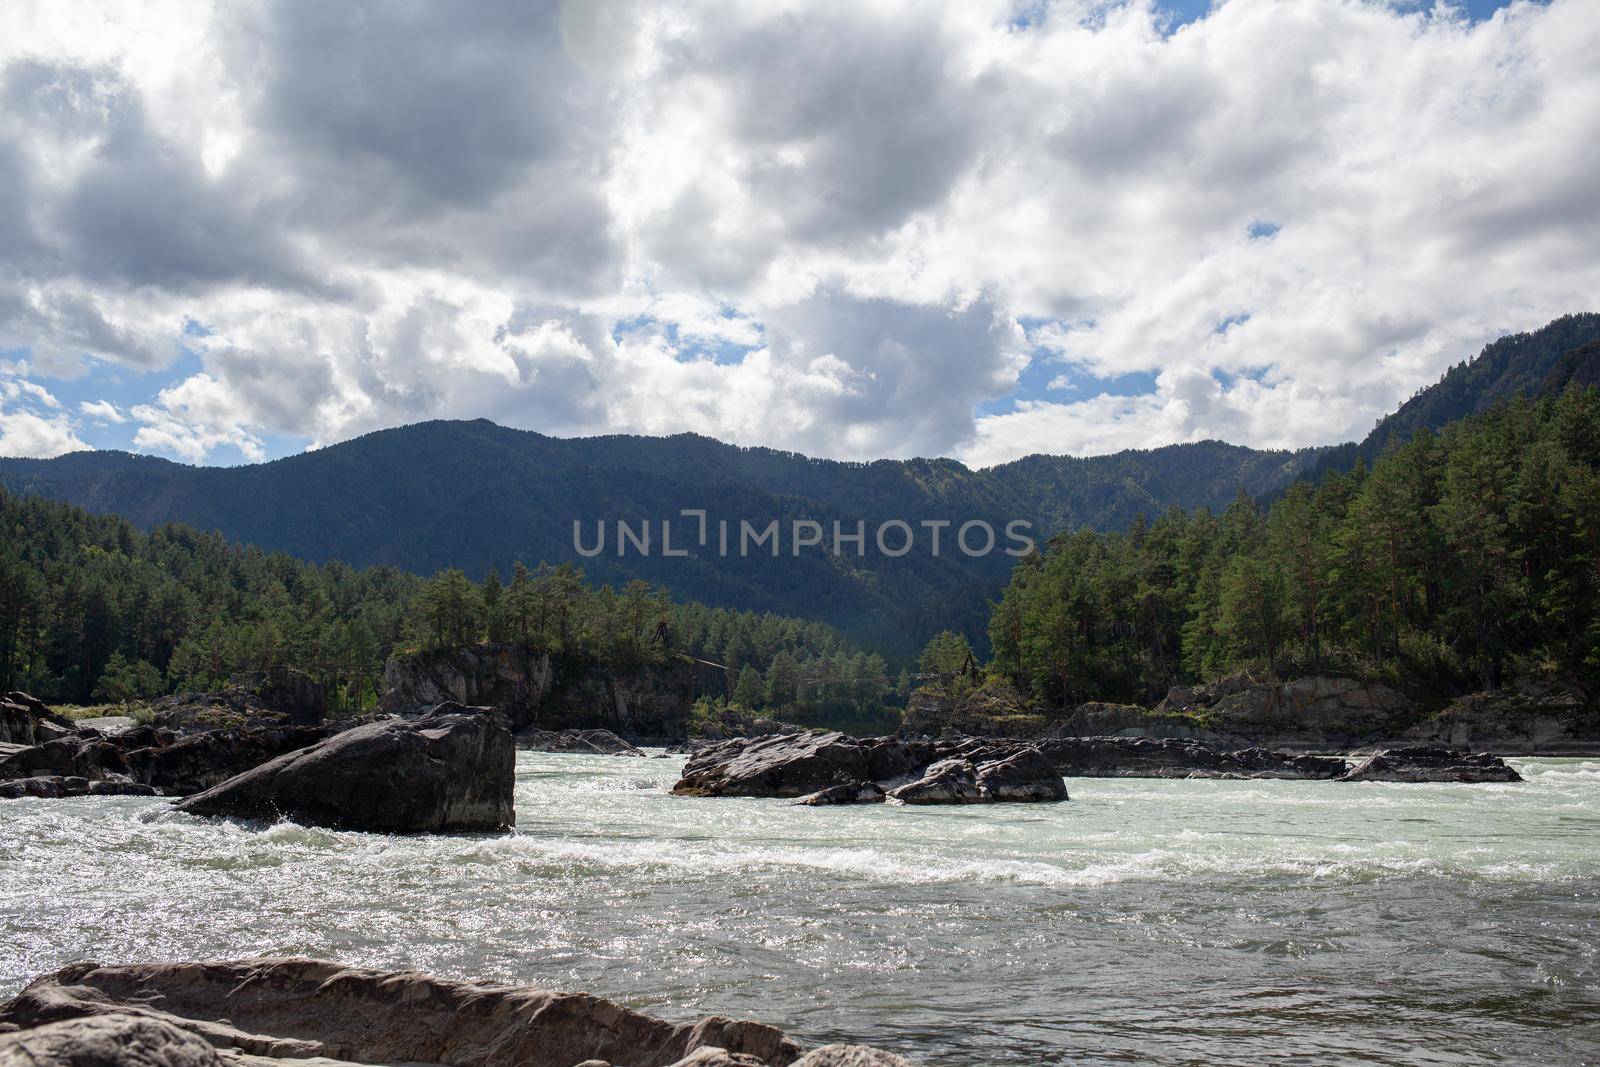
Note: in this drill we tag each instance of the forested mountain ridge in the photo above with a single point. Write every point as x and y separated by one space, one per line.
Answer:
93 609
476 495
1539 363
1457 562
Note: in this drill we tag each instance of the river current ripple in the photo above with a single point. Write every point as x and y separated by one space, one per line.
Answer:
1176 922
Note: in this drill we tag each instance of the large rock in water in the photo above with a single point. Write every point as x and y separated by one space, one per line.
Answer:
448 771
1422 764
826 769
294 1010
783 765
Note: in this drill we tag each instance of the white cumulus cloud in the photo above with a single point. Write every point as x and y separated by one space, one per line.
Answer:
855 229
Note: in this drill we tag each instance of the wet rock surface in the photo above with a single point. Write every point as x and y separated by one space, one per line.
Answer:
832 768
287 1010
451 770
1424 764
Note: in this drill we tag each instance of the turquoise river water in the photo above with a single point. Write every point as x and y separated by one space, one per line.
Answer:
1174 922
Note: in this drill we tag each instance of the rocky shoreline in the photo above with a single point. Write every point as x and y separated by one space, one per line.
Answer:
450 769
826 769
286 1011
1313 713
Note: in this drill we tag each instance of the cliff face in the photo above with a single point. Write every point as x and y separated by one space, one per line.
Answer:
1316 713
536 690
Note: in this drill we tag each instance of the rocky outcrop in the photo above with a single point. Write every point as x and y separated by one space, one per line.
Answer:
55 786
585 742
831 768
286 1011
1319 712
1530 716
1423 764
173 765
1141 757
282 696
535 689
825 769
1100 719
1026 775
782 765
949 781
181 766
489 675
115 1039
448 771
25 720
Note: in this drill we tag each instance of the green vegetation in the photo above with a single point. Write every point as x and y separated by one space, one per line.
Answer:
1457 561
92 609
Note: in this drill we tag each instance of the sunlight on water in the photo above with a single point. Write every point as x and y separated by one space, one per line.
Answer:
1158 921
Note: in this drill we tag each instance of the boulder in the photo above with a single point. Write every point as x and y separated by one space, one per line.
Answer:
448 771
1027 775
1423 764
851 793
26 720
294 1010
586 742
783 765
950 781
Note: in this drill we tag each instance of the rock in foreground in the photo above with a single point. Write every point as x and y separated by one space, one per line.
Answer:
292 1010
1425 764
448 771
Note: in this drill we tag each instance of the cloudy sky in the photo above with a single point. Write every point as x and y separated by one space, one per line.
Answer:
855 229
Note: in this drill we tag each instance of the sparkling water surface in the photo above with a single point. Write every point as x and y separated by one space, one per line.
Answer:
1143 921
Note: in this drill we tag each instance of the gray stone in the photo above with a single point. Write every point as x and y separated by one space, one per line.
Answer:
451 770
268 1011
1423 764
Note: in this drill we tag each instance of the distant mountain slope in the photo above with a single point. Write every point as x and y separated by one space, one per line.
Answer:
1547 360
477 495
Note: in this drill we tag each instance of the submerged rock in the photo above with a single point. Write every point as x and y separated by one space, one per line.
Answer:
294 1010
1424 764
448 771
588 742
